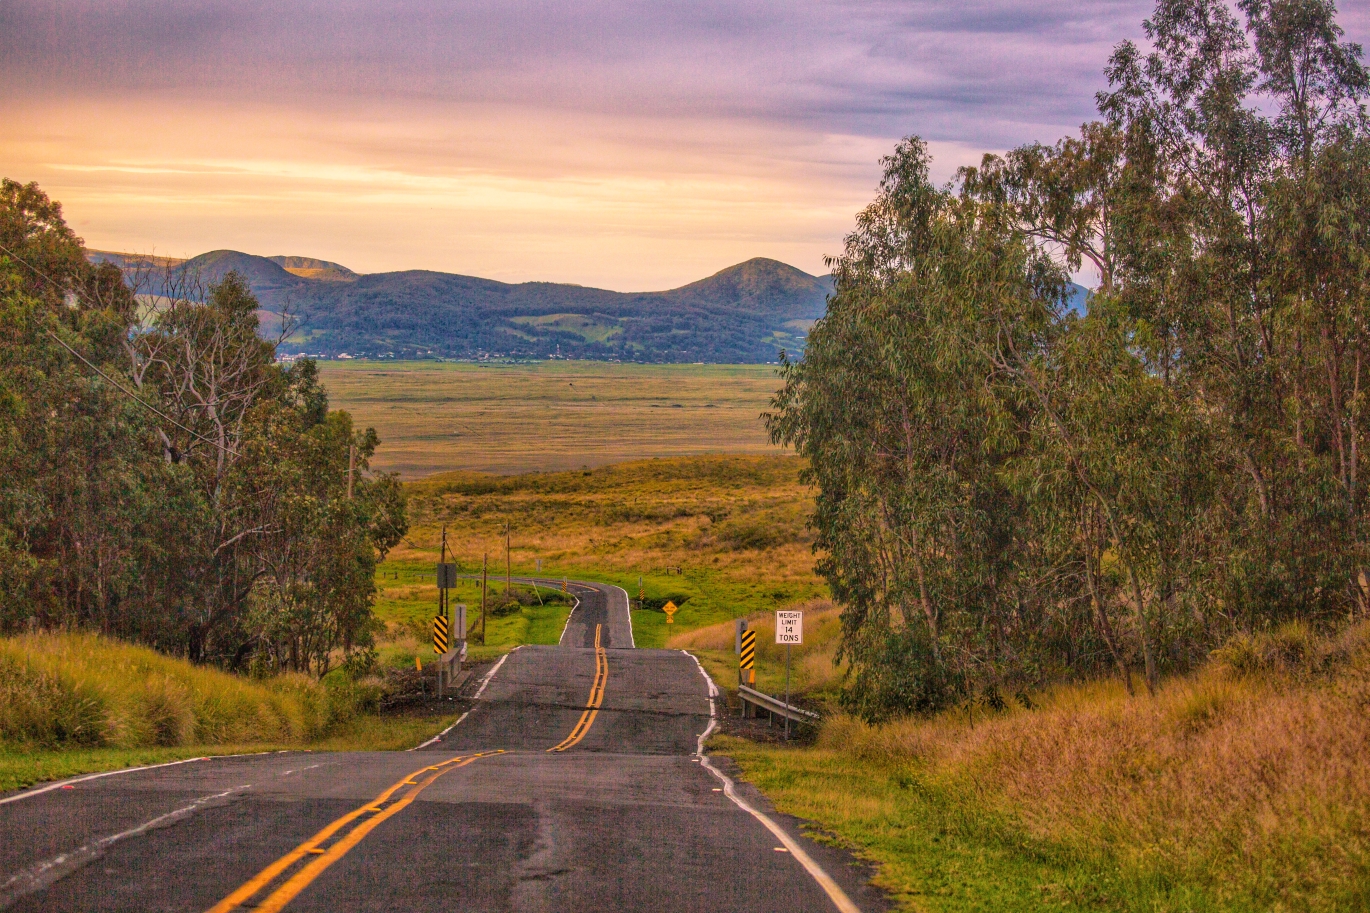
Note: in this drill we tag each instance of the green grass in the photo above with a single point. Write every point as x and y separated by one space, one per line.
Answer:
935 850
552 416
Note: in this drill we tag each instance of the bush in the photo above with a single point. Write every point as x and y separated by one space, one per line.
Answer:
1288 650
753 536
505 607
899 676
658 603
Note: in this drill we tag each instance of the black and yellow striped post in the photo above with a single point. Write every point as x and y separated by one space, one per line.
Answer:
439 634
746 660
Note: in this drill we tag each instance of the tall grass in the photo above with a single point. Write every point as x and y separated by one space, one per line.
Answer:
84 691
1245 787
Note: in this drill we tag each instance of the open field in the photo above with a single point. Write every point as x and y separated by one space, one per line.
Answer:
550 416
722 535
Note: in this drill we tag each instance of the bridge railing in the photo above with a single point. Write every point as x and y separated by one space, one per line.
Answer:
756 701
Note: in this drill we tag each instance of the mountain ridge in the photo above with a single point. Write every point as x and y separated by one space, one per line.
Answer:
747 312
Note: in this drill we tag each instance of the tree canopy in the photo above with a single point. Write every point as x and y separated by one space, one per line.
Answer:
164 479
1009 491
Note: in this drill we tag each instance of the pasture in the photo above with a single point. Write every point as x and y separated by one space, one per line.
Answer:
721 536
549 416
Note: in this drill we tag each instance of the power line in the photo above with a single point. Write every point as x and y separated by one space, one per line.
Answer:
111 381
138 399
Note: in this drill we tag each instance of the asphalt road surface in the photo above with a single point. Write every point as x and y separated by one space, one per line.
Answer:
574 783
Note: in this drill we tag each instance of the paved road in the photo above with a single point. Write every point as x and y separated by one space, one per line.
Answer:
573 784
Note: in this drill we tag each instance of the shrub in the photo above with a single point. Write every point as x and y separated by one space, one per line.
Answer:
658 603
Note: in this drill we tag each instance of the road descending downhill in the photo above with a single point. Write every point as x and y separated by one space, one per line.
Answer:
575 782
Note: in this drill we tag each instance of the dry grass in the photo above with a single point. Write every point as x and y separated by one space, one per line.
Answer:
1230 790
550 416
80 690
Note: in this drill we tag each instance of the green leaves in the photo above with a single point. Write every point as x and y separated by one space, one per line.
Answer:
164 479
1010 492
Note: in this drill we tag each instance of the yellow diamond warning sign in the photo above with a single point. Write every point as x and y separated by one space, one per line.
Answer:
670 609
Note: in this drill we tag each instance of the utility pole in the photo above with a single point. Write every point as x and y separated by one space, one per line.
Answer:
484 580
442 591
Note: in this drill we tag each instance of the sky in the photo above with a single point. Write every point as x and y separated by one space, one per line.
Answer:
626 145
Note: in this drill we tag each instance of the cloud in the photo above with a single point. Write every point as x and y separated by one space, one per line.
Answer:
657 138
971 71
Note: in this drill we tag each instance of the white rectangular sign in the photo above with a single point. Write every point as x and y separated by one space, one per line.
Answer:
789 627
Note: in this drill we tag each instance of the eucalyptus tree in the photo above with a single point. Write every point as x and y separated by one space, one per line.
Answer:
899 409
1007 491
1266 316
159 470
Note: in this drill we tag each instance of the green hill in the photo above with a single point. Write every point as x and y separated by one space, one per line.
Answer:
744 314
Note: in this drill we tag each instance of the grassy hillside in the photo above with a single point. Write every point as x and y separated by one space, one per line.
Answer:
1241 788
724 536
71 703
434 417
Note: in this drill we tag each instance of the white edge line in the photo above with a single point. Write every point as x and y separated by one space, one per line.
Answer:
628 608
830 887
58 784
568 619
491 674
485 681
44 873
440 734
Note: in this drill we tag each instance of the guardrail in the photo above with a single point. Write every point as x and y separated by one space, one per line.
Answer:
759 701
449 666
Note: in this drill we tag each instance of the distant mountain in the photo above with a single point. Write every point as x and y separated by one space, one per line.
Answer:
267 278
1078 297
132 261
745 313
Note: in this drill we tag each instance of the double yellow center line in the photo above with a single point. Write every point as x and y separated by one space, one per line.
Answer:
587 719
279 883
333 842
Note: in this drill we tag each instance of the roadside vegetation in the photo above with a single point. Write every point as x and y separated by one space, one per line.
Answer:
1011 493
72 703
721 536
166 481
1241 787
